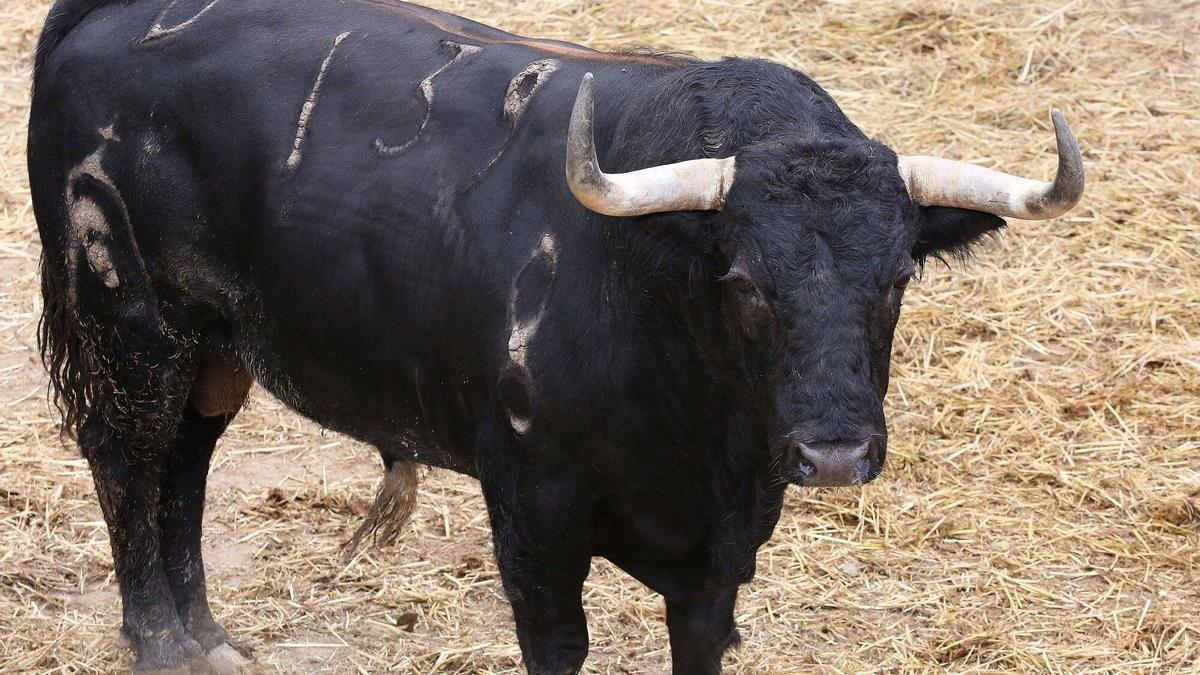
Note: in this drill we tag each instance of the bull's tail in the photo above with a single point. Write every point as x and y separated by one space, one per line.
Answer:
392 509
67 352
68 348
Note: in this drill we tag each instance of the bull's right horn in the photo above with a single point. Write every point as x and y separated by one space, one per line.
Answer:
694 185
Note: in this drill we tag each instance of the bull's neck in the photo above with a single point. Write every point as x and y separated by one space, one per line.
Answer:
672 296
671 287
671 305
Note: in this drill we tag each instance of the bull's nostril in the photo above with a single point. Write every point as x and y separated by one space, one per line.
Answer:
797 460
805 467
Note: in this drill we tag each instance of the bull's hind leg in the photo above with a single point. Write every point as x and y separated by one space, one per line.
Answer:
219 390
153 499
134 412
180 521
180 516
127 485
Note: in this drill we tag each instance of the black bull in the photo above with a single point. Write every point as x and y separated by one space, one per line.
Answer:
362 206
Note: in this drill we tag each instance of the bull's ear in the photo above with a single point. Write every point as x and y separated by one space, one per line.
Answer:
947 232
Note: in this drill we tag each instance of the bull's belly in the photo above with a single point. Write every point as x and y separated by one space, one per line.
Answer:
417 419
401 402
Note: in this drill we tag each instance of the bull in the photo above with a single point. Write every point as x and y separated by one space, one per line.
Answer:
634 294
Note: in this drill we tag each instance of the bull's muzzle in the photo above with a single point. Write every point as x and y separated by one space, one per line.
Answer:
834 463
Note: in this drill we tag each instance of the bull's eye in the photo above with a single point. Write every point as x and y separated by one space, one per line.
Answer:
744 285
904 275
740 283
752 307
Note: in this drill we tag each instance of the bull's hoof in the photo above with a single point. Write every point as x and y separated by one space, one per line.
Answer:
227 661
198 665
208 633
172 656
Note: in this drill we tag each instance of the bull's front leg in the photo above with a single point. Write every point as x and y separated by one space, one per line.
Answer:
542 541
546 596
701 630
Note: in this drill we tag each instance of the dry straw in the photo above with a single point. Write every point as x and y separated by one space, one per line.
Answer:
1040 508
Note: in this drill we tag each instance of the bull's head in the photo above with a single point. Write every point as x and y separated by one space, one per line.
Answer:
821 239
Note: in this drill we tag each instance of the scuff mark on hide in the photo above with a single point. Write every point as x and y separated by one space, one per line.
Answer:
548 249
89 228
527 304
425 89
310 104
89 231
519 336
520 92
157 32
524 86
520 424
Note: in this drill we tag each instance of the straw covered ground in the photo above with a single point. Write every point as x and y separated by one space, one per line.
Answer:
1041 506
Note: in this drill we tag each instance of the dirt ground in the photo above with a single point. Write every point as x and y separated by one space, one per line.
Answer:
1041 505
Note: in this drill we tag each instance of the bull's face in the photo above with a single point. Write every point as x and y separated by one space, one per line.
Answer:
822 241
821 237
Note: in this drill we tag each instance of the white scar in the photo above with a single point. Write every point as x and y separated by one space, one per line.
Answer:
306 111
520 92
549 248
157 32
521 333
89 229
521 425
518 341
426 90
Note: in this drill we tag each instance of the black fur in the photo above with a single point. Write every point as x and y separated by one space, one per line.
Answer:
64 16
632 388
948 232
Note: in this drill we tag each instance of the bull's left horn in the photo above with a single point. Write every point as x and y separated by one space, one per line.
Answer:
934 181
694 185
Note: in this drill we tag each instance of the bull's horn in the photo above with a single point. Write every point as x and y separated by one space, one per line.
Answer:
694 185
934 181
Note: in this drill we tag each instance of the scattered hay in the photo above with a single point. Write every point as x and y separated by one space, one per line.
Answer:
1038 512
